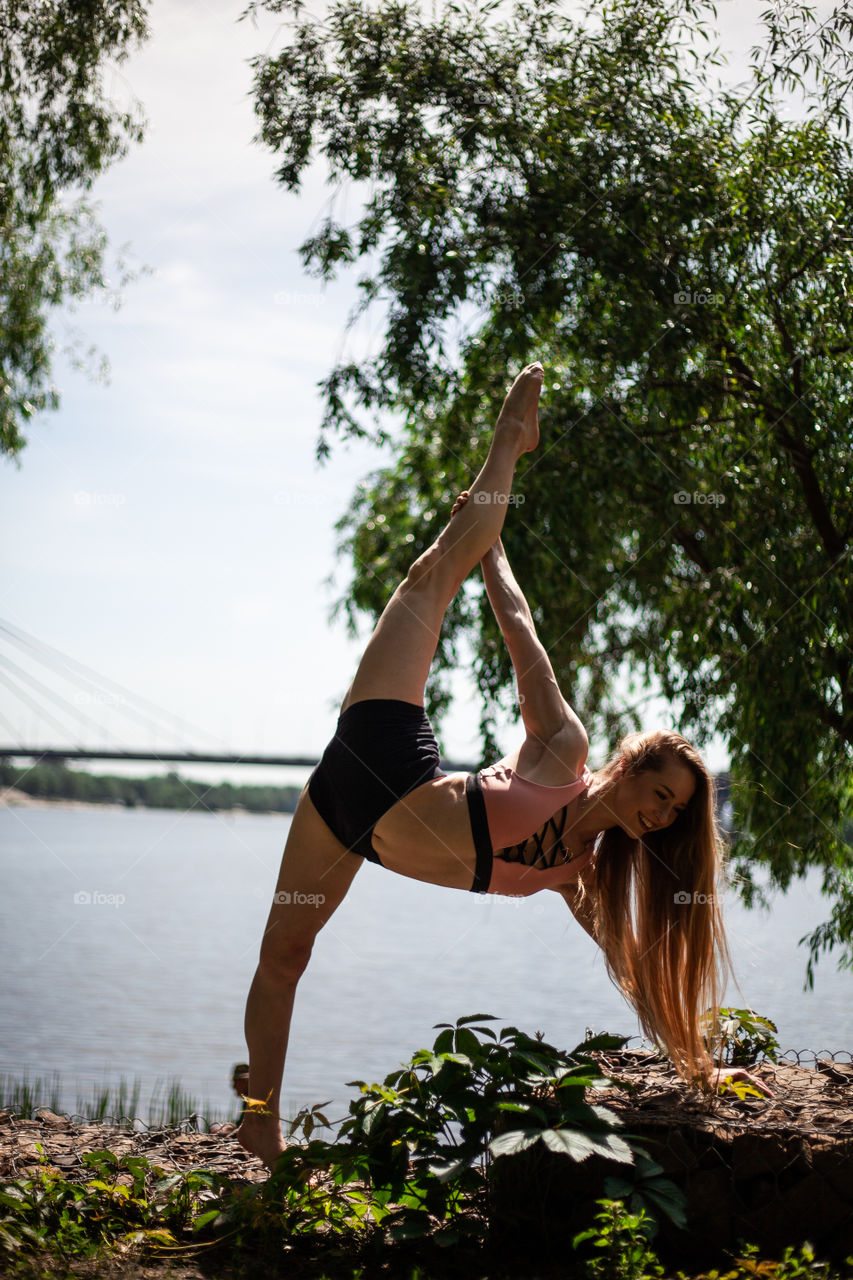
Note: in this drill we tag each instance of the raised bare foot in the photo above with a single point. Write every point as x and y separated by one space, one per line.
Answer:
520 408
262 1140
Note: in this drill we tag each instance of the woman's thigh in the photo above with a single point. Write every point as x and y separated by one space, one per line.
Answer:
398 656
315 874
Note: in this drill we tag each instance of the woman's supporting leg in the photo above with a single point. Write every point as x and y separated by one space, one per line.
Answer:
316 872
398 656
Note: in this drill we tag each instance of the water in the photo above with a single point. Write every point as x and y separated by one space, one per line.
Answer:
149 978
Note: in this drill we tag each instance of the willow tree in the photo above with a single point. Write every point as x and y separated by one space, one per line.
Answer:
678 255
59 129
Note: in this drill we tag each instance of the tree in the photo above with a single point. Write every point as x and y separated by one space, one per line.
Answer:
58 131
679 256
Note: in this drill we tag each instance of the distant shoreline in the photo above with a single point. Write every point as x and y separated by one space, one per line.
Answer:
13 798
52 784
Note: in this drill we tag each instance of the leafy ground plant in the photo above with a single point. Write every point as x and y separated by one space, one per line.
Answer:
618 1249
126 1201
428 1133
744 1036
621 1243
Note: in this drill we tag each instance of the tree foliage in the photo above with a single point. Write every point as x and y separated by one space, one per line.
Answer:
58 131
679 255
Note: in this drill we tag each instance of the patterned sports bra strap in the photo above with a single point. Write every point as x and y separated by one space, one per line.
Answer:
544 848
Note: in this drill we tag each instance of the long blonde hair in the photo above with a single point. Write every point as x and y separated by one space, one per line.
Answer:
656 908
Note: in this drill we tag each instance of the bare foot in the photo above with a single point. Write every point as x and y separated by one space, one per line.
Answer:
263 1140
519 413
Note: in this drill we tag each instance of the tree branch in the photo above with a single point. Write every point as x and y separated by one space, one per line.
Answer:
796 447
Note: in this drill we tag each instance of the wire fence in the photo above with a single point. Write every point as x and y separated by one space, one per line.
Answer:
772 1171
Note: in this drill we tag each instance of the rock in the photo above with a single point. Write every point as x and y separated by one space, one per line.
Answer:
48 1117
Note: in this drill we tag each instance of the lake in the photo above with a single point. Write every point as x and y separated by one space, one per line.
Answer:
148 978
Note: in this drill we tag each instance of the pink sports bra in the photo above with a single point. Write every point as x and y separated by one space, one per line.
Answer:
516 807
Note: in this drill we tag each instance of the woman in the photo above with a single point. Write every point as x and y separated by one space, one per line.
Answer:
528 823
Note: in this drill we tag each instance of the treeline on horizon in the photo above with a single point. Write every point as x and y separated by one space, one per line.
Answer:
169 791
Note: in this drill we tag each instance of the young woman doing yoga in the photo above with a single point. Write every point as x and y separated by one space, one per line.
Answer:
640 829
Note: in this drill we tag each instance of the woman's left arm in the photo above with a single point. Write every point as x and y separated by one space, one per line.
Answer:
544 710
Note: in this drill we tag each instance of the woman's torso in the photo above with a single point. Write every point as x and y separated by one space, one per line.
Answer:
427 835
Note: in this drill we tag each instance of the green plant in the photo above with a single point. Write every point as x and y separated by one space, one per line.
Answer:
622 1240
428 1133
117 1104
743 1036
25 1097
411 1159
648 1190
413 1154
125 1200
795 1264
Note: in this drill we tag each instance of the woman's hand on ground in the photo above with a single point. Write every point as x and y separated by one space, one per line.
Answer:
737 1073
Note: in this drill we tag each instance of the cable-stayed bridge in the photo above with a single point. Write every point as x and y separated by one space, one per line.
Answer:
74 703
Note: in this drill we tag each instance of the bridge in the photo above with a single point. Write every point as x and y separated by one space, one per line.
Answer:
59 755
63 686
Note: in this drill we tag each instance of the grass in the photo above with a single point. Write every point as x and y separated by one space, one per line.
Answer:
118 1104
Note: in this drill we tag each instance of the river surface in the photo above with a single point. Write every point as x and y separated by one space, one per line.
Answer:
148 978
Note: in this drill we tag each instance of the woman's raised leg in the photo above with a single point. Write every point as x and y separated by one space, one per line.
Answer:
398 656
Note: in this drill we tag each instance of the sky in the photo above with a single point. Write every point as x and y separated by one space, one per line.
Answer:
172 529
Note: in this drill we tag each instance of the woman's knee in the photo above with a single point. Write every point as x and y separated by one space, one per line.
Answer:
434 570
285 958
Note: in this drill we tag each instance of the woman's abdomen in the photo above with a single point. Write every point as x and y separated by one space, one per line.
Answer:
427 834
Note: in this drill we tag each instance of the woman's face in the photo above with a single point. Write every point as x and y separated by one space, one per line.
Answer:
653 799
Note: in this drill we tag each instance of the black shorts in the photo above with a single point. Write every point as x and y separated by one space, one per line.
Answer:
382 750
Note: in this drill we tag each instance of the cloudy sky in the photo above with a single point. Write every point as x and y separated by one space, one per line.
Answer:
171 529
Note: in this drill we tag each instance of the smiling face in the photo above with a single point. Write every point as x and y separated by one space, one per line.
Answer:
653 799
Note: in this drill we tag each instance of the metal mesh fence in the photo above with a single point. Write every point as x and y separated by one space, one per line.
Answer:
770 1171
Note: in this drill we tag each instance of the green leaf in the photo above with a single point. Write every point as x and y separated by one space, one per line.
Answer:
579 1146
509 1144
205 1218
